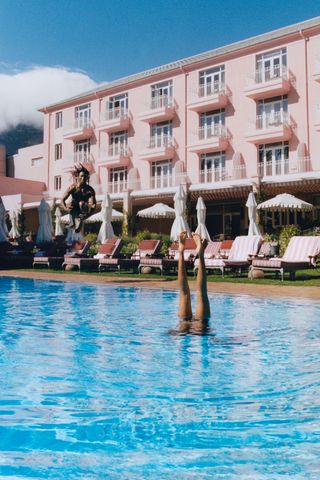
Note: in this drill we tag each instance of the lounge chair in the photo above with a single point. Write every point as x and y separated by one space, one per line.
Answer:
301 253
171 261
212 251
145 249
108 249
78 250
242 249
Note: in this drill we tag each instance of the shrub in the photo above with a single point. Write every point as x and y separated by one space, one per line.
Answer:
286 234
91 237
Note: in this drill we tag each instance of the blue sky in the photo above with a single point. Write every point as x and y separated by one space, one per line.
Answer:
109 39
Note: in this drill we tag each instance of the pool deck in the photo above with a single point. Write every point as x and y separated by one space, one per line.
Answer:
213 287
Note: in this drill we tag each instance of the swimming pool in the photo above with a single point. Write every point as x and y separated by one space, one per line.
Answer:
93 387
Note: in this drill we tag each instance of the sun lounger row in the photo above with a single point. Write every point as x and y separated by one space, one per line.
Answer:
245 252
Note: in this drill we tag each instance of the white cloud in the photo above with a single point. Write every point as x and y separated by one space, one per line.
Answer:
22 93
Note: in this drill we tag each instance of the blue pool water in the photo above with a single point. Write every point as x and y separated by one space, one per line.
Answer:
93 387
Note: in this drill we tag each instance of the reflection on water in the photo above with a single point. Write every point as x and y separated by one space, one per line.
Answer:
92 386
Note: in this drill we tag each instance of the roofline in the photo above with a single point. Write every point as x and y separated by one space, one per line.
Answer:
211 54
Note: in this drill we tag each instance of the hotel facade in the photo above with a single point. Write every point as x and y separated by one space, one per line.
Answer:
241 118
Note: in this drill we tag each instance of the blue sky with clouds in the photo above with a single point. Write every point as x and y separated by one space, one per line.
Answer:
109 39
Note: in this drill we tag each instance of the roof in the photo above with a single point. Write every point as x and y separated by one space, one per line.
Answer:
189 61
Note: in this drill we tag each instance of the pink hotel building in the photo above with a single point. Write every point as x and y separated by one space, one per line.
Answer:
223 123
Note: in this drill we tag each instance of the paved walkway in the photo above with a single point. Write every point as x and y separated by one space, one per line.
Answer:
213 287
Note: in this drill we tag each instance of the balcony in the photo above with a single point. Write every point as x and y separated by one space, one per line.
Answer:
161 109
117 188
114 120
83 158
209 97
210 138
118 154
161 182
269 83
273 168
271 127
82 129
160 147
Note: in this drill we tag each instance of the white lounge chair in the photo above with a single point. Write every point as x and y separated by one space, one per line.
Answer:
243 248
301 253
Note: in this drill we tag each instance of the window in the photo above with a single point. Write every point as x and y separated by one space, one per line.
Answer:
58 151
35 162
82 151
272 112
83 116
118 144
118 179
271 65
274 159
211 81
161 94
57 183
212 167
117 106
58 121
212 124
161 134
161 174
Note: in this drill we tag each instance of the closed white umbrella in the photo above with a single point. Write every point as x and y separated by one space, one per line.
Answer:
159 210
201 217
252 214
58 232
3 226
180 224
14 232
285 201
106 229
44 234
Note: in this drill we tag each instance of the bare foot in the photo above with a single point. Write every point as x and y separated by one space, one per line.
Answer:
182 240
200 244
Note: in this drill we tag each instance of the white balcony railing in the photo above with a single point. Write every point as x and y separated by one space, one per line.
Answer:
271 73
213 175
160 141
117 187
161 101
118 150
161 181
214 88
304 164
270 168
82 157
271 120
82 123
114 114
209 131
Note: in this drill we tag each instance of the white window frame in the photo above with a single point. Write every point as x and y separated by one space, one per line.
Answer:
272 112
271 65
117 106
161 174
212 81
118 179
57 183
273 159
58 151
161 94
58 120
36 161
161 134
82 115
82 151
212 124
118 143
212 167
